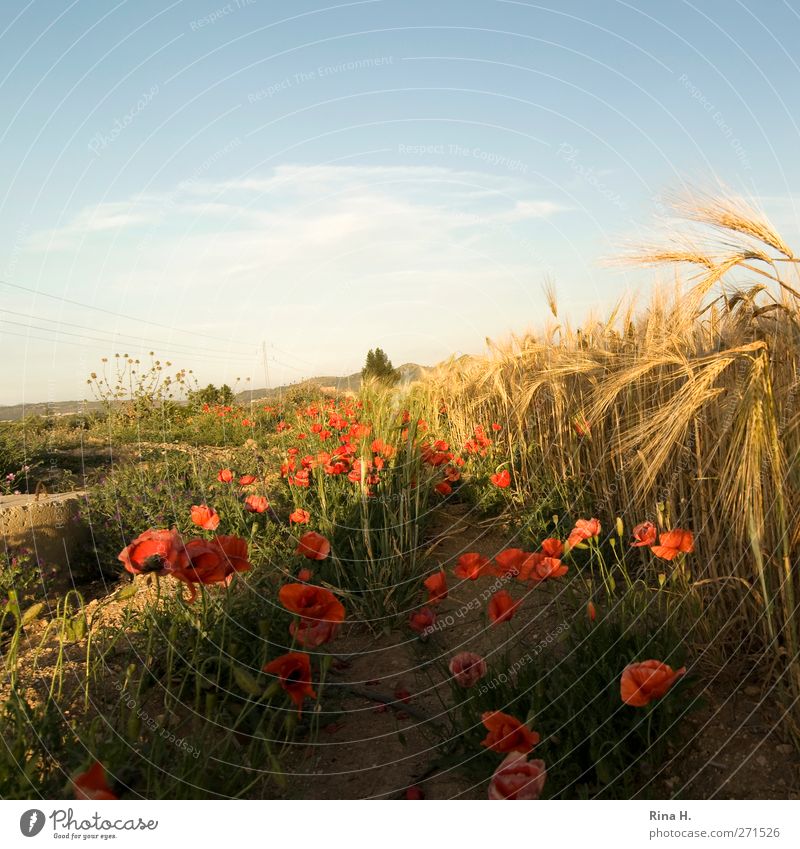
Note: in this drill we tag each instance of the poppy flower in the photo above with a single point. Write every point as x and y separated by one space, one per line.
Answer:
501 479
92 784
436 585
496 427
256 504
452 474
310 602
314 546
471 566
246 480
502 607
552 547
507 734
518 778
211 561
511 561
414 792
582 426
422 619
591 611
644 534
584 529
224 475
444 488
299 517
152 551
641 683
672 543
205 517
293 671
538 567
312 633
467 668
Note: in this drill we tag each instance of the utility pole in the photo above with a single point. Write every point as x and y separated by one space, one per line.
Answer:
266 366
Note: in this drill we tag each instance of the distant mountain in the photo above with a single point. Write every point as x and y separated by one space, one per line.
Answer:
409 372
14 412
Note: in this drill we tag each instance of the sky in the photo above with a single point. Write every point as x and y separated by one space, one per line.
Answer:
266 190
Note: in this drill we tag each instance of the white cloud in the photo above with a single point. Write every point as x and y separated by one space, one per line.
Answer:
415 252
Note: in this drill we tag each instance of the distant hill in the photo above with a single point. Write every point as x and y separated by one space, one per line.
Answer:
14 412
349 383
409 372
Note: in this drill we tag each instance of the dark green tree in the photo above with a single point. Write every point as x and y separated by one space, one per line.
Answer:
212 395
379 367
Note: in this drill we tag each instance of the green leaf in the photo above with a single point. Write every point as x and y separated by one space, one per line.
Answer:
127 592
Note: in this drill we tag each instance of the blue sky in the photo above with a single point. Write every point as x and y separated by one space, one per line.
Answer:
211 176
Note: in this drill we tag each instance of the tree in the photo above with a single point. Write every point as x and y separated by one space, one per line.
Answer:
212 396
379 367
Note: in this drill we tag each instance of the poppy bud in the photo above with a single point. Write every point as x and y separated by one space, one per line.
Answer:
134 726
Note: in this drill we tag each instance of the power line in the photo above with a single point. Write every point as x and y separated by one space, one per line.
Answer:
92 307
173 346
78 335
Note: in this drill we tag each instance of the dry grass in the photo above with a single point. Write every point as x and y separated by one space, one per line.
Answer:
694 417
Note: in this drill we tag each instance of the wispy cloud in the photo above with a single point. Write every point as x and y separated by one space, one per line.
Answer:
345 255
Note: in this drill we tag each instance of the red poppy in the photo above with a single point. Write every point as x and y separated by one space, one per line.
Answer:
293 670
496 427
92 784
518 778
538 567
672 543
256 504
224 475
314 546
641 683
591 611
443 488
467 668
501 479
246 480
312 633
305 575
414 793
212 561
507 734
205 517
422 619
452 474
299 517
502 607
436 585
472 566
511 561
582 426
644 534
310 602
552 547
584 529
152 551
